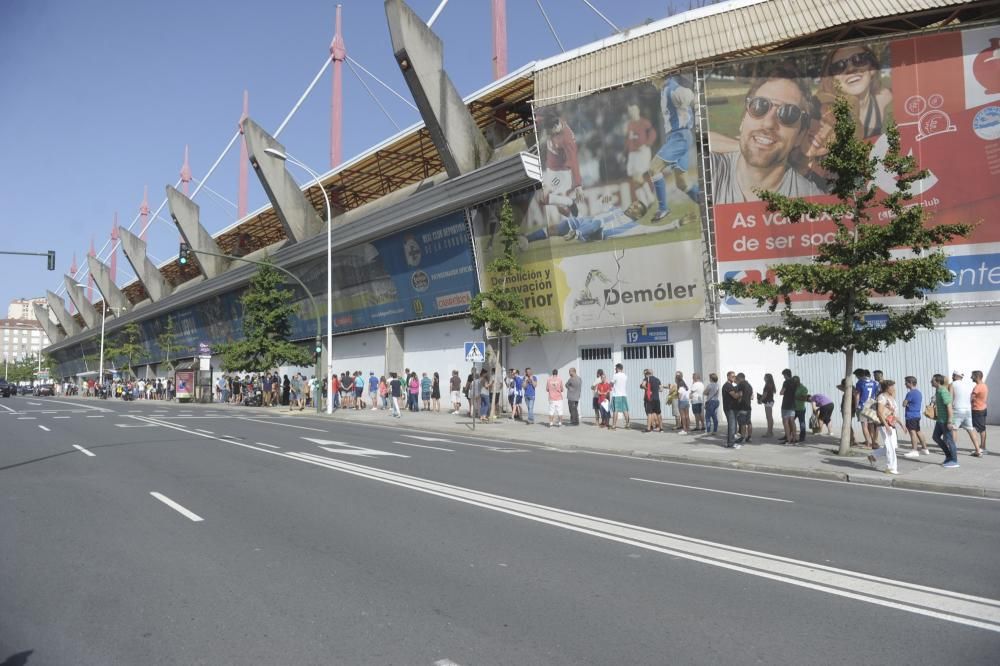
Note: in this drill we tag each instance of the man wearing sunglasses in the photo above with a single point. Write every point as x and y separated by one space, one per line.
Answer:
775 118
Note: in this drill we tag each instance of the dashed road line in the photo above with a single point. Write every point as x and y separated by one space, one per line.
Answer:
270 446
44 428
424 446
84 451
207 432
177 507
26 418
711 490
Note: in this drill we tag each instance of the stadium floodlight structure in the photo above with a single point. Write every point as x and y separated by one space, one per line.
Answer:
329 263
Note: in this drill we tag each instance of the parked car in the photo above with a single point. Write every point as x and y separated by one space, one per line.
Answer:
44 389
7 390
25 390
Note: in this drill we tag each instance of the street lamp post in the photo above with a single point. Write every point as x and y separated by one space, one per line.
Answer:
100 360
329 267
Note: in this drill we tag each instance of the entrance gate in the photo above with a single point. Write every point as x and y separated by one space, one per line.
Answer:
657 357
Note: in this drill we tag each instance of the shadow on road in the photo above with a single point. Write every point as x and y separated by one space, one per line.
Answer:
18 659
91 448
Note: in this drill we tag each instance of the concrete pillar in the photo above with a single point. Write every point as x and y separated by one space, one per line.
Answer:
64 318
187 216
394 349
297 215
113 296
420 56
135 251
51 330
83 305
708 339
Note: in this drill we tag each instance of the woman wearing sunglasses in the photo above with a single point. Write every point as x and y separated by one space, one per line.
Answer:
854 71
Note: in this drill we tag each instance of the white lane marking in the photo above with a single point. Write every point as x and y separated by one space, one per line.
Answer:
177 507
501 449
446 662
286 425
943 604
428 439
12 411
270 446
25 418
79 406
84 451
95 416
62 417
136 425
711 490
36 404
350 449
424 446
207 432
44 428
50 411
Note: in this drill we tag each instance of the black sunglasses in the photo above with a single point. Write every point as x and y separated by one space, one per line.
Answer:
856 60
789 115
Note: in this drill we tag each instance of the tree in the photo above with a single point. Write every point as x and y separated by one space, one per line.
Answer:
167 341
267 310
501 308
863 264
128 345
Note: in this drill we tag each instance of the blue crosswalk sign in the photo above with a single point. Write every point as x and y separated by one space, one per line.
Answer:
475 352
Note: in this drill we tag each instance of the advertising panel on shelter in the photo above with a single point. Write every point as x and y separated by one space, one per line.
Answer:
770 120
613 236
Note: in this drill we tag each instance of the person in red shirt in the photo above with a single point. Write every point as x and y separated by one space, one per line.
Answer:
335 390
561 176
639 139
602 399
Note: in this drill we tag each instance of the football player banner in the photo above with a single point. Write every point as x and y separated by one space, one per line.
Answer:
770 120
613 236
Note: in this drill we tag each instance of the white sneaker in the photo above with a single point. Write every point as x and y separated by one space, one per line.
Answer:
890 471
681 432
911 454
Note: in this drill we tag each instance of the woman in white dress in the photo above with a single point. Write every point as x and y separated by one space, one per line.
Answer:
885 408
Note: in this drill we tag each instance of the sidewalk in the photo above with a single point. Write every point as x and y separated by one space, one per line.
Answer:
816 458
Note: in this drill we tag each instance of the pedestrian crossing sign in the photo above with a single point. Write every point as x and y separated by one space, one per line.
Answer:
475 352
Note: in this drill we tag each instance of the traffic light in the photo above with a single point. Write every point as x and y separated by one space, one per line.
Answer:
184 255
52 260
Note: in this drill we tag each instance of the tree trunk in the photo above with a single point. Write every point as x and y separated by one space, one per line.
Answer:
497 377
845 411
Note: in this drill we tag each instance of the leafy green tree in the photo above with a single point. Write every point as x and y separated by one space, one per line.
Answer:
865 262
167 341
127 345
267 311
501 308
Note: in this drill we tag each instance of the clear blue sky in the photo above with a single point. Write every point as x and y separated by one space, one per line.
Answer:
98 99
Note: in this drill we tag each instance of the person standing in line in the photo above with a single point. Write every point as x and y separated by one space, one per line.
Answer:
425 391
517 396
383 392
980 395
730 403
414 388
683 408
885 408
530 383
286 391
307 392
508 383
598 420
359 390
651 400
554 387
788 407
603 389
961 405
574 386
619 396
455 387
801 398
485 388
698 401
373 395
471 395
712 403
766 398
823 409
866 389
743 408
436 393
913 401
675 410
395 393
943 422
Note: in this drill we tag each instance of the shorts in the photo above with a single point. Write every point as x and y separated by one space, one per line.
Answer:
676 150
913 424
788 413
638 162
557 181
510 399
979 420
555 408
743 416
619 403
684 404
518 399
696 408
425 396
456 396
962 419
651 406
825 413
358 392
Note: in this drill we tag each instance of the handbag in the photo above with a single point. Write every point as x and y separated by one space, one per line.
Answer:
930 411
868 411
814 425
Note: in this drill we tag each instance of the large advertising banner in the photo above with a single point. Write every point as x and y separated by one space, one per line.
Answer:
770 120
613 236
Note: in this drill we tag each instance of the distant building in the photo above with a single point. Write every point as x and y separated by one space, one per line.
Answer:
21 338
23 308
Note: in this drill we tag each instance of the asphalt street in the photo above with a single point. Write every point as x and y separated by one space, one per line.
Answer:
152 533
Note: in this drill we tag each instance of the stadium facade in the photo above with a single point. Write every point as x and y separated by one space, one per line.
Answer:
631 164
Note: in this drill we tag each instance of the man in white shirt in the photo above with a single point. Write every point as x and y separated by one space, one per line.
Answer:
697 401
961 405
619 399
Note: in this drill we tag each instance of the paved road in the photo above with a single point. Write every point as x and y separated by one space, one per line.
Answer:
197 536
